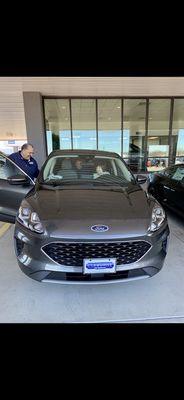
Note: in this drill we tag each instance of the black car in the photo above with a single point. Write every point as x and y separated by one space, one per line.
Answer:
85 220
167 186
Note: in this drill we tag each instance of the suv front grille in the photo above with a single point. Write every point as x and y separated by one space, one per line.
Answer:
73 254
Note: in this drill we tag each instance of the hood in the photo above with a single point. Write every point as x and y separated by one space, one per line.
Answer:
71 212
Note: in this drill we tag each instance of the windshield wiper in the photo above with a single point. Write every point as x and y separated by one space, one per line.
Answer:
59 182
50 183
91 183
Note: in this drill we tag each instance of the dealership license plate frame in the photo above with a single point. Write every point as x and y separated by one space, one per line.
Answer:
99 265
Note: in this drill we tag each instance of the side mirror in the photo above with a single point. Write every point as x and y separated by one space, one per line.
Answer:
18 180
141 179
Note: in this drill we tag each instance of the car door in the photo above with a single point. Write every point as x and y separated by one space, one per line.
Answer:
11 193
160 183
164 185
175 189
181 195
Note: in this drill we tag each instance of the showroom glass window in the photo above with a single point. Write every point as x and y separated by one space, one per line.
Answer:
134 123
84 123
177 138
109 125
11 146
57 120
158 134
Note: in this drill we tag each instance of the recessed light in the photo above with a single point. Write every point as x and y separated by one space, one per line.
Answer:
63 107
118 107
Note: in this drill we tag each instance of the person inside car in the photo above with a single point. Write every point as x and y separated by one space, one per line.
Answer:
100 170
78 164
79 167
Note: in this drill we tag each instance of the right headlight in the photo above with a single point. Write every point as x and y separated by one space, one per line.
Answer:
157 218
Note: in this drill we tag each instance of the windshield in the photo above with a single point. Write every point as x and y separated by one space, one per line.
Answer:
94 169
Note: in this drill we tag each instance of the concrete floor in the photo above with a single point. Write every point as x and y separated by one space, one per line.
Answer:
158 299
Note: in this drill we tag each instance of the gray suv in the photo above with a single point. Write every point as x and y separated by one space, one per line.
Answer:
85 220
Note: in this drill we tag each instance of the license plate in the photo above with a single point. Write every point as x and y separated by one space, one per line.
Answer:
99 265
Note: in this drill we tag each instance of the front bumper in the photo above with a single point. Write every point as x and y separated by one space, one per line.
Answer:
37 265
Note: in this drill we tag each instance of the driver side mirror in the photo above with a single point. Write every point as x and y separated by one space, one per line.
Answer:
141 179
18 179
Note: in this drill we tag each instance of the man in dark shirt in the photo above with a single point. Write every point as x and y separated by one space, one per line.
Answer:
25 161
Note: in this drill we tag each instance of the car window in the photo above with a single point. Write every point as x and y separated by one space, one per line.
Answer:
178 175
80 168
168 172
7 168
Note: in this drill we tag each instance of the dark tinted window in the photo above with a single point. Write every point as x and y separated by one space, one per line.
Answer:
7 168
178 174
168 172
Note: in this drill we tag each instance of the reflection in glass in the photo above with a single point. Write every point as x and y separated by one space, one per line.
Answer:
58 129
158 150
134 115
177 138
84 139
65 139
49 142
7 168
109 125
110 141
156 164
84 123
158 127
158 134
180 143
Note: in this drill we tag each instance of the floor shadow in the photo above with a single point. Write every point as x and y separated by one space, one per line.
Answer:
175 218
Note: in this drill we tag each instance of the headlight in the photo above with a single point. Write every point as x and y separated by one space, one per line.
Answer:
29 218
157 218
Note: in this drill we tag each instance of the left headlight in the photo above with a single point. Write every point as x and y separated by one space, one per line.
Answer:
29 218
157 218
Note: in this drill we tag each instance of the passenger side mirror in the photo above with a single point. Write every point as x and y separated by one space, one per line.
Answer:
18 179
141 179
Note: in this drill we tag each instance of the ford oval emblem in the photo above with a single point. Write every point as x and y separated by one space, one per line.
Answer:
99 228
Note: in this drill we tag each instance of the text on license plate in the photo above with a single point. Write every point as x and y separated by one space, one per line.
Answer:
99 265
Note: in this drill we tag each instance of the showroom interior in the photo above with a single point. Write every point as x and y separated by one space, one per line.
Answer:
141 119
